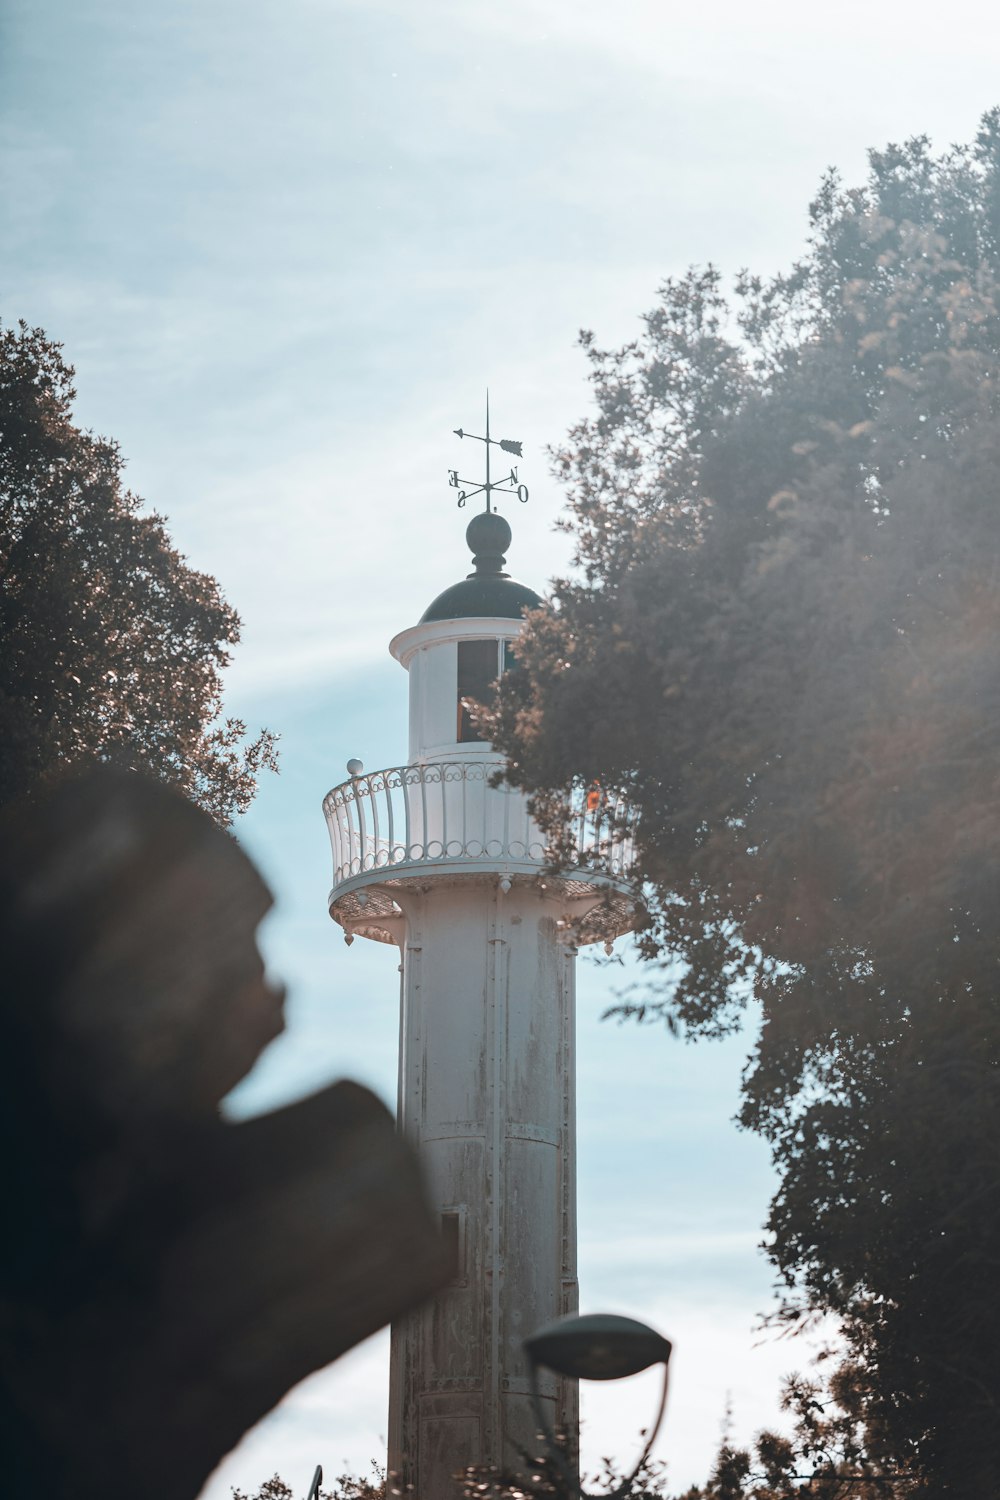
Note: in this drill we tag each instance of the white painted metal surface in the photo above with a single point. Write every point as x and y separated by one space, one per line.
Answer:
434 858
486 1096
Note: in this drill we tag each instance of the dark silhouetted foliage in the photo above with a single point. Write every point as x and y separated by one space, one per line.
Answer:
112 647
832 1454
781 642
344 1487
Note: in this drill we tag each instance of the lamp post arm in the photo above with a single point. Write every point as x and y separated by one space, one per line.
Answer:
572 1483
624 1490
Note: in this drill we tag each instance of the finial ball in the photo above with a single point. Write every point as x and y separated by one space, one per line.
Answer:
488 534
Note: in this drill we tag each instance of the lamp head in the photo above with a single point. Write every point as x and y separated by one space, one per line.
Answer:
600 1346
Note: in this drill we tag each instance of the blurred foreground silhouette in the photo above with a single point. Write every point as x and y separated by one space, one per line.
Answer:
167 1277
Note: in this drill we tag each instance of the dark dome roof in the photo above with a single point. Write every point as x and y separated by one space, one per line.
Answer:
488 592
498 596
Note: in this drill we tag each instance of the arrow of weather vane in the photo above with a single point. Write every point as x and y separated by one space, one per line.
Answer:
508 485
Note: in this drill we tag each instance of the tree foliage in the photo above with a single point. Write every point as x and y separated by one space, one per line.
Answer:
112 645
832 1454
780 641
346 1486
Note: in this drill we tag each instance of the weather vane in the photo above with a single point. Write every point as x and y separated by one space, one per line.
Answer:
508 485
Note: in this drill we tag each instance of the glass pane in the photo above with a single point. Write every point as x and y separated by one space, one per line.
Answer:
478 669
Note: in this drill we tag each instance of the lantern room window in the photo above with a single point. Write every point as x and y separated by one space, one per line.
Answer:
480 664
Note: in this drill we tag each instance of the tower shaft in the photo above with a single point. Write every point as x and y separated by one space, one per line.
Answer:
487 1098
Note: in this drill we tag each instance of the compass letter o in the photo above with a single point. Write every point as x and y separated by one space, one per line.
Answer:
522 493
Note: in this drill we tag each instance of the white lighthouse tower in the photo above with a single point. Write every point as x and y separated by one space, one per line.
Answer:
431 857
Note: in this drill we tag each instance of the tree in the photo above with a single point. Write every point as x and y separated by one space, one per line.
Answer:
112 645
781 644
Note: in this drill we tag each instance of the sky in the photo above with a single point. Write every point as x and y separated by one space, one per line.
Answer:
287 247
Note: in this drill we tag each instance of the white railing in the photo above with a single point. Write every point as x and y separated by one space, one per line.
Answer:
447 812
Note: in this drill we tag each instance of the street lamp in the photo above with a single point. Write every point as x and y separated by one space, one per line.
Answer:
601 1346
